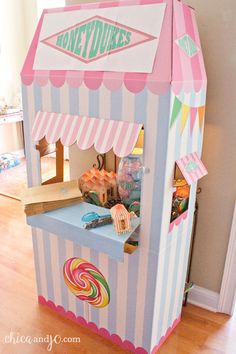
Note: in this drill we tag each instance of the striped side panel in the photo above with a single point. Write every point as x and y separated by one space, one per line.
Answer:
147 198
31 102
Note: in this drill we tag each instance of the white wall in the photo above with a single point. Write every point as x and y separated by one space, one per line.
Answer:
17 25
217 26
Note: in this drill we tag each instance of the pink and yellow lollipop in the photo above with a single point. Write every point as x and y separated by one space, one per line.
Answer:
86 282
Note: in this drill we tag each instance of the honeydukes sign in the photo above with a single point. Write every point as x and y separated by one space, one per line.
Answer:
95 38
111 39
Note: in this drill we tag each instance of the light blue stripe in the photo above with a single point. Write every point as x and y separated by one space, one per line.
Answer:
164 288
187 244
116 105
176 267
36 261
181 237
62 259
140 111
27 135
37 98
157 209
160 169
55 99
132 292
192 204
179 234
94 103
112 281
74 100
48 266
94 311
77 250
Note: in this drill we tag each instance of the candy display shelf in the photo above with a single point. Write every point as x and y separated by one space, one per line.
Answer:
67 223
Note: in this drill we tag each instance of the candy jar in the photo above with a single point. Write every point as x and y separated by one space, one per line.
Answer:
129 177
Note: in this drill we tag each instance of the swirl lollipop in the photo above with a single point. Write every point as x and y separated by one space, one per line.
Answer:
86 282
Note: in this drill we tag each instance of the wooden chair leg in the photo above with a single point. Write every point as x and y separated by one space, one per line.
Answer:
59 161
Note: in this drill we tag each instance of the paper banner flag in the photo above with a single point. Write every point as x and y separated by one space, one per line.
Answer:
175 111
184 116
201 112
193 116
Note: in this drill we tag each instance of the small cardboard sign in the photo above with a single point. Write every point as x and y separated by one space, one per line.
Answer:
111 39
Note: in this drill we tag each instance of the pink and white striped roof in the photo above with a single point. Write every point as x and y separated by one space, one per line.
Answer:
185 73
104 134
192 168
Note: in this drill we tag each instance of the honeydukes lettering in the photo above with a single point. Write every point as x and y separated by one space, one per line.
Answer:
95 38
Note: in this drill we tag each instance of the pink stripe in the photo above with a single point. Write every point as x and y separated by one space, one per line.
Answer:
111 138
197 173
119 144
177 68
115 338
196 70
66 129
135 82
36 125
41 131
100 139
93 79
57 77
50 125
75 131
193 116
92 135
159 80
57 134
50 134
185 60
113 80
132 139
74 78
81 140
27 73
193 175
41 77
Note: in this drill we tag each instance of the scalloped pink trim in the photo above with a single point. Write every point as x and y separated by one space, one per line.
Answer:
164 338
115 338
177 221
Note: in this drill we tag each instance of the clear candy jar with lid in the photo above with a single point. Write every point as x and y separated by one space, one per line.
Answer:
129 177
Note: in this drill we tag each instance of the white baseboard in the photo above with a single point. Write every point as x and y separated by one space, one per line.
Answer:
204 298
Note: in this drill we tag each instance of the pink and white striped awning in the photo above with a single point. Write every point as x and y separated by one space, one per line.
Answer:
191 167
104 134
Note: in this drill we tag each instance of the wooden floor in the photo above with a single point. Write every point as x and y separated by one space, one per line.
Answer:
200 331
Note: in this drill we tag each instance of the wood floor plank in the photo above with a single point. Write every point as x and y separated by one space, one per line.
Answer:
200 331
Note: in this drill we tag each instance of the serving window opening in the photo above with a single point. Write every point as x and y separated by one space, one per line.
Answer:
180 198
106 162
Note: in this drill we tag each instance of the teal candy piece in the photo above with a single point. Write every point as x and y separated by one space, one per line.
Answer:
91 216
191 166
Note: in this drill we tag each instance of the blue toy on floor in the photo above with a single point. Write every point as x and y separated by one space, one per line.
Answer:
8 161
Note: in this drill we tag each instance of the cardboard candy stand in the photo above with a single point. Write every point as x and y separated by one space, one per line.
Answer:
96 75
